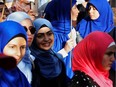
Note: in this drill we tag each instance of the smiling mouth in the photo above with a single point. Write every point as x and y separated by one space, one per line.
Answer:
46 44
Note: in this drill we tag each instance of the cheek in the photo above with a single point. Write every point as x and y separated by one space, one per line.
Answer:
97 15
52 40
23 52
8 52
105 61
38 42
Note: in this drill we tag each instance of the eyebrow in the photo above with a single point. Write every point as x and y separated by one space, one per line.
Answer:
45 32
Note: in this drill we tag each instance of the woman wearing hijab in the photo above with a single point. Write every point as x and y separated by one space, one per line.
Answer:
27 62
113 69
100 18
58 13
48 64
92 60
13 42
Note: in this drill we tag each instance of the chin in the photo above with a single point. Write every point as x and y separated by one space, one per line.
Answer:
29 43
107 69
46 49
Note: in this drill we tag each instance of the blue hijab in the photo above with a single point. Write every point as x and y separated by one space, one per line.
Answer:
58 13
48 61
13 77
18 16
25 65
103 23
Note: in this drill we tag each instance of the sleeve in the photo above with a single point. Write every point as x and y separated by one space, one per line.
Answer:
63 53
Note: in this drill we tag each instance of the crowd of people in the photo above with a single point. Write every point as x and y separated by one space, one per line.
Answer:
70 44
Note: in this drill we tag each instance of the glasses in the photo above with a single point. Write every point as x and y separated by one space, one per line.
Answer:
31 28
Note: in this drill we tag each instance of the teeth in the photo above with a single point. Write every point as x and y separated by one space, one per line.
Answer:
47 44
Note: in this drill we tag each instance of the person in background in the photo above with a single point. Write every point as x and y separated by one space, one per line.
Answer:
4 11
92 60
113 69
49 65
58 12
76 16
13 41
100 18
82 11
26 65
27 6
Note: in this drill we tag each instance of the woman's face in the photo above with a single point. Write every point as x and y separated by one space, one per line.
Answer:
44 38
109 57
30 30
15 48
74 12
93 13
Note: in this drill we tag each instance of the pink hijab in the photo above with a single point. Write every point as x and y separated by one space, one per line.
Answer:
88 55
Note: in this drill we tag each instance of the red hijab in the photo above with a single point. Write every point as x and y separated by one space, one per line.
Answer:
88 55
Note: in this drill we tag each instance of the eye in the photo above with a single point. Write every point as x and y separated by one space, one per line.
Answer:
23 47
40 36
89 8
11 46
32 29
110 53
94 8
49 33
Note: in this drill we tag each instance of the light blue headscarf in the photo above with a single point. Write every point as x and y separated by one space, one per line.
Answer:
18 16
25 65
39 22
51 60
104 23
14 77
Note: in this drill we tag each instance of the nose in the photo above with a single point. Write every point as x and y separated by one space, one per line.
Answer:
18 53
46 37
113 58
90 10
28 32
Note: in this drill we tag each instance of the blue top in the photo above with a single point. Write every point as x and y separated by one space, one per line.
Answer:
47 61
58 13
14 77
104 23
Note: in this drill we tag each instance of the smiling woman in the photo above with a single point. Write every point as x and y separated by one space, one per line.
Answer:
48 64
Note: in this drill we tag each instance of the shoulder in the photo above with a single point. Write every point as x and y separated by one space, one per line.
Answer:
80 79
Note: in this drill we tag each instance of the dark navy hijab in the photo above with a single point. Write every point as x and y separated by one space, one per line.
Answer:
104 23
58 12
13 77
47 61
